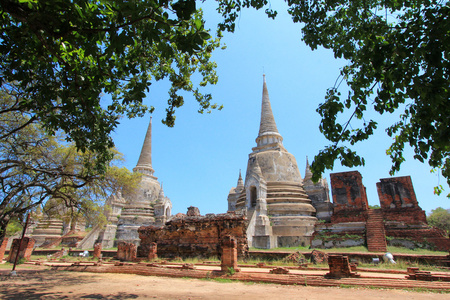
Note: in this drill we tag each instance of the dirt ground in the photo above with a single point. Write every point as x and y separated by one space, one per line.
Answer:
46 284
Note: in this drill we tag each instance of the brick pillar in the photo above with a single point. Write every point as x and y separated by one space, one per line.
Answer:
3 248
339 267
97 250
153 250
229 254
25 250
126 251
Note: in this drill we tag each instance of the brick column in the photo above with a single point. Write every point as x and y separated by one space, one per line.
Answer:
97 250
126 251
339 267
153 249
25 250
3 248
229 254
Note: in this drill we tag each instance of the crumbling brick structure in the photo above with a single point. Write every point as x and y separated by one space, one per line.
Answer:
195 236
398 201
400 218
349 197
26 248
3 248
229 254
339 267
405 222
97 250
193 211
126 251
153 250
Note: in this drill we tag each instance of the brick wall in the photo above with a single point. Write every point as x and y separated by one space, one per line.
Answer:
434 237
126 251
97 250
349 197
195 236
3 248
229 254
396 192
25 250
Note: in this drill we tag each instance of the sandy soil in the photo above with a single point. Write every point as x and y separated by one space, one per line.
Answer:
45 284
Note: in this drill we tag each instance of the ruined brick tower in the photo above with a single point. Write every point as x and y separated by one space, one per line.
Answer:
278 209
148 205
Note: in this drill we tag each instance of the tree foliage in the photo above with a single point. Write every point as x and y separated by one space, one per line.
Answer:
440 218
36 168
65 56
398 62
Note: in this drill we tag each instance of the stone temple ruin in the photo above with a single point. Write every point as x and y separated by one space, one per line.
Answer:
147 206
194 235
279 211
273 207
399 222
283 209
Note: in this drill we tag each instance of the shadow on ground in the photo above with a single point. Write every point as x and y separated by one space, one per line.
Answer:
31 285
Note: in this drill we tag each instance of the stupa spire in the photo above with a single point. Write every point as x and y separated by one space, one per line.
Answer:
144 164
240 183
268 132
308 173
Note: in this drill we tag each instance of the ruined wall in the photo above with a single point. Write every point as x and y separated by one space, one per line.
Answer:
3 248
194 236
349 197
398 201
403 220
417 237
26 248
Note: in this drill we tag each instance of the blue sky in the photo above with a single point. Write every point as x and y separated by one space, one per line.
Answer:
199 159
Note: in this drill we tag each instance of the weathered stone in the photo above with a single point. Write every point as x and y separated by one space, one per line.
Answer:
148 205
3 248
349 197
279 270
152 253
319 194
295 257
319 257
339 267
126 251
26 248
97 250
229 254
60 253
193 211
188 267
197 236
279 211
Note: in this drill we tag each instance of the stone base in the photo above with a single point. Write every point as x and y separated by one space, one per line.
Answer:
264 242
293 241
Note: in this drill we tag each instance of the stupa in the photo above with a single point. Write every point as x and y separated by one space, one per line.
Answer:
147 205
279 211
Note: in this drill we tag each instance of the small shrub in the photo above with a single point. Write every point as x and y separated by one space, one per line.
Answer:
231 271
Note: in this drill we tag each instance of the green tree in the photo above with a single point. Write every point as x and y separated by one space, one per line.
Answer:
65 57
398 63
36 167
440 218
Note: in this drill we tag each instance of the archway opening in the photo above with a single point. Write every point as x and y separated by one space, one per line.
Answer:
253 196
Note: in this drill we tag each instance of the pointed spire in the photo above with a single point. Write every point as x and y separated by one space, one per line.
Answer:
161 191
268 132
308 173
161 195
144 164
240 183
267 124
